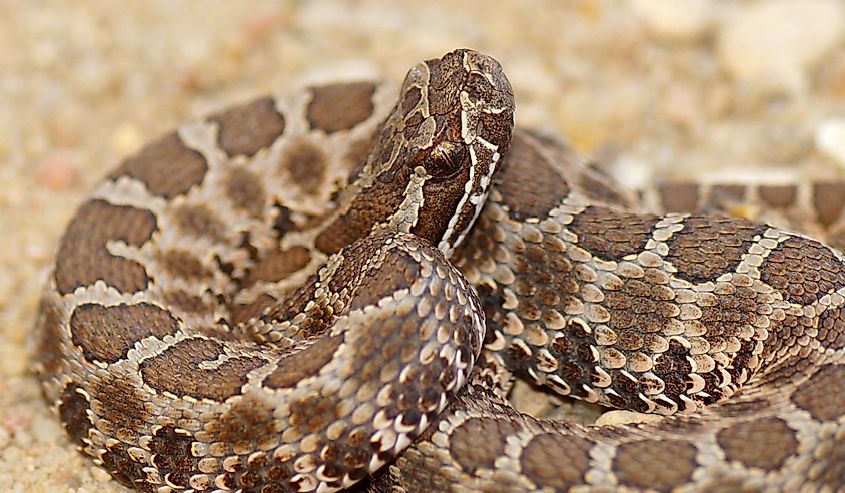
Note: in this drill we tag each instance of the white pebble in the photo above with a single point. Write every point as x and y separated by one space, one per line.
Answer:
830 139
635 173
772 44
681 20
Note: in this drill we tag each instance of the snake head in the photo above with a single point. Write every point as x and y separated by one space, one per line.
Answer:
443 142
431 166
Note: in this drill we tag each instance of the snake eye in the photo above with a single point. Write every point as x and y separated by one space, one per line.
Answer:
446 159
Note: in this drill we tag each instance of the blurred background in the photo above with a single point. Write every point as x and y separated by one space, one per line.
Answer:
704 89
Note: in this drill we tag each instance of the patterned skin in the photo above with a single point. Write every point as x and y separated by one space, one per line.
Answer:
290 295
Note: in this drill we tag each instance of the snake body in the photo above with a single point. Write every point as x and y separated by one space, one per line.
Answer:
327 289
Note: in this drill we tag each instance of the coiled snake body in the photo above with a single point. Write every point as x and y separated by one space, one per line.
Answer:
290 295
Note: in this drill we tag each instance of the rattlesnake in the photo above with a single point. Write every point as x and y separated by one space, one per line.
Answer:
289 296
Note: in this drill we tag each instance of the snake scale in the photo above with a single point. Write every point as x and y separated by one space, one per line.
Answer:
329 289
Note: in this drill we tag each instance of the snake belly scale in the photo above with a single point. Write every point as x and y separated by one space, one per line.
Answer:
328 289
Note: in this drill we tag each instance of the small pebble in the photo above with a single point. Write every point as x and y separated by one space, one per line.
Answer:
830 139
260 27
772 44
36 251
681 105
678 20
125 138
636 174
57 172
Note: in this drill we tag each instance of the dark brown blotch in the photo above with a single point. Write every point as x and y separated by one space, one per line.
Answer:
83 256
832 328
107 333
119 464
558 462
635 462
679 196
829 201
731 316
182 264
187 303
245 191
166 167
397 271
778 196
727 194
786 270
249 419
410 100
611 234
529 183
764 443
245 129
119 401
478 442
304 363
177 370
673 367
738 408
73 411
829 462
710 246
339 107
306 164
198 220
823 395
313 412
49 339
277 266
171 449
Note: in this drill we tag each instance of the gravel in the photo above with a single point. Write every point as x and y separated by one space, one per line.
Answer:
773 44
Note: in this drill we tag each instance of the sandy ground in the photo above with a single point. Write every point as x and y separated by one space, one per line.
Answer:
651 89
